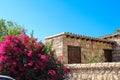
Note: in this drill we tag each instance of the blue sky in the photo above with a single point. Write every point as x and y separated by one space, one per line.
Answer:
48 17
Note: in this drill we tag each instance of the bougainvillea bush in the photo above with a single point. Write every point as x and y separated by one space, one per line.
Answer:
24 58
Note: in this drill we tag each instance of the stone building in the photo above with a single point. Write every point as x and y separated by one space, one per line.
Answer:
77 48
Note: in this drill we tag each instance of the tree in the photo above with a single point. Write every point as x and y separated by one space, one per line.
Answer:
10 28
24 58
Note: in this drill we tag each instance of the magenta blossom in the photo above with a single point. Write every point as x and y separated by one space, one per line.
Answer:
29 54
23 58
44 57
52 73
30 63
66 70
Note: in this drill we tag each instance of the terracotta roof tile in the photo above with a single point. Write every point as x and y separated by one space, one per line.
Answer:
79 36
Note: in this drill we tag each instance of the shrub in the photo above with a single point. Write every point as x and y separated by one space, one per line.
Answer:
99 57
23 58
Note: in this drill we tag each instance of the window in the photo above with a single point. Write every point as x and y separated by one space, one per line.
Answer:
108 55
74 54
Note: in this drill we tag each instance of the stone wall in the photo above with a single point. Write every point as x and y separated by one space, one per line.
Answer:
57 44
116 47
88 47
94 71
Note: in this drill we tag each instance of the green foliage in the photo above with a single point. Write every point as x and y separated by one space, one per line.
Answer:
48 47
31 34
10 28
24 58
99 57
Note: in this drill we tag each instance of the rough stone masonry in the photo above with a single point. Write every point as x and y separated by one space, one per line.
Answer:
77 48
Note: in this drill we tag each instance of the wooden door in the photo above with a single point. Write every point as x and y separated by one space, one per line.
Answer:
74 54
108 55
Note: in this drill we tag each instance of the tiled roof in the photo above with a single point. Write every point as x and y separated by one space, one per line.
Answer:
79 37
117 33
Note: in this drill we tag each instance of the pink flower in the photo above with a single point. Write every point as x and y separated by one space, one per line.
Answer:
30 63
1 50
60 58
36 67
6 57
14 63
39 55
22 55
8 37
16 41
39 62
21 67
66 70
0 67
41 44
13 70
1 58
34 39
50 79
17 59
29 54
44 58
52 73
24 37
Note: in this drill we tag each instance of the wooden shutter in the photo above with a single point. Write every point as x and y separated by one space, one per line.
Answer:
108 55
74 54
